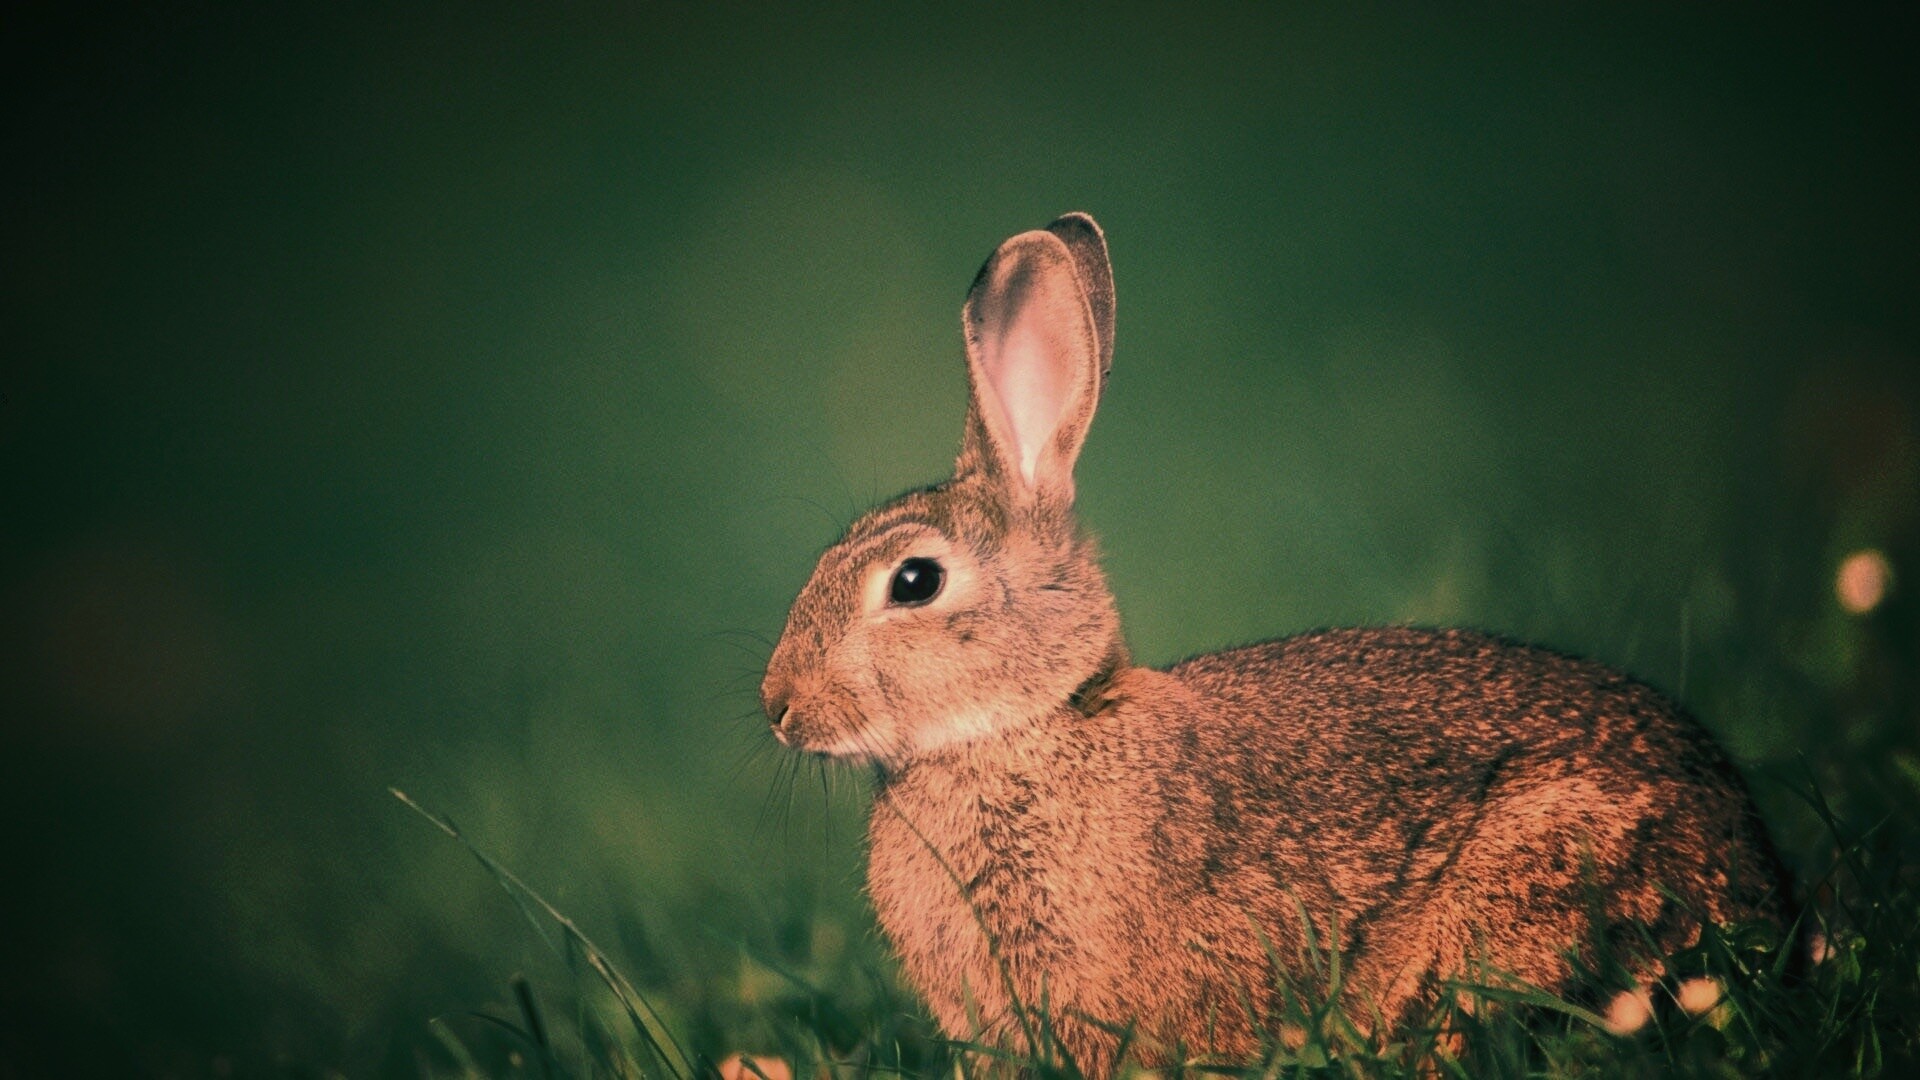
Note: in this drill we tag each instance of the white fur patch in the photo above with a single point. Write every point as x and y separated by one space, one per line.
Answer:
963 726
956 729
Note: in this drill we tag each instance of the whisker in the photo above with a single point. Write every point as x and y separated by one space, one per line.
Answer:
734 692
749 754
826 797
729 639
832 520
767 801
786 820
741 631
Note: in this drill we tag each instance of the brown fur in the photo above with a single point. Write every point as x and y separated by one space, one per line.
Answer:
1136 846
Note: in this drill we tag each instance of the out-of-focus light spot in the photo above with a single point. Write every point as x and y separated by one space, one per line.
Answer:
1629 1011
1862 581
1697 995
772 1068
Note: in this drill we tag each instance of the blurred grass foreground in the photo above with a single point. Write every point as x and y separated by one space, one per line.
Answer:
452 400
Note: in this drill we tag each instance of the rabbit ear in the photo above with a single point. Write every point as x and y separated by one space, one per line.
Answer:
1088 244
1033 361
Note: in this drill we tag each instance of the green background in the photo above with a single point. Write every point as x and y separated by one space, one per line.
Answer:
453 400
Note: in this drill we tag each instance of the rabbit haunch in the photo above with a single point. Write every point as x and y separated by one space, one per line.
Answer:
1137 846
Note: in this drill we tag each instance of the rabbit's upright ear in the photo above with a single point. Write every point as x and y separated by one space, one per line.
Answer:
1034 358
1088 244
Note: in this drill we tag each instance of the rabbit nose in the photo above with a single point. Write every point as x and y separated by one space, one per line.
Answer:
777 700
778 709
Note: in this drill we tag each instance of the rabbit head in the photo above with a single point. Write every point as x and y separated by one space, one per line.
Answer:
963 608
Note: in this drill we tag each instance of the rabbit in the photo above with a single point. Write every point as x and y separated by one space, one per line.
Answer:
1137 848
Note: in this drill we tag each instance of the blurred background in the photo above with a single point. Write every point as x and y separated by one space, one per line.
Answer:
453 400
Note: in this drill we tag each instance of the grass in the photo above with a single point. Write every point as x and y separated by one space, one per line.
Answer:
823 1009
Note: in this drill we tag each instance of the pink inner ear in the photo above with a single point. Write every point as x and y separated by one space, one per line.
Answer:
1031 378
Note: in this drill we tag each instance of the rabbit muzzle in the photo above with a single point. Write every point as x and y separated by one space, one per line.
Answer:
805 716
776 697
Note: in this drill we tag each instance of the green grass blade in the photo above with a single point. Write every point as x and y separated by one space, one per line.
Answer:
646 1020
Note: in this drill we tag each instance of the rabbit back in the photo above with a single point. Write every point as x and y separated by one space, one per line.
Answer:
1446 792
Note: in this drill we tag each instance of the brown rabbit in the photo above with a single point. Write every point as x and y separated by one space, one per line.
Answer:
1138 846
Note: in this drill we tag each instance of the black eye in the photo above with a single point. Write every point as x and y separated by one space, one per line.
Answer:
916 582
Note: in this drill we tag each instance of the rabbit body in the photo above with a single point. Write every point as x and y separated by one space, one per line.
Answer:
1053 826
1443 795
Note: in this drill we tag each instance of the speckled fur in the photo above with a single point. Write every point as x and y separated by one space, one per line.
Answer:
1053 822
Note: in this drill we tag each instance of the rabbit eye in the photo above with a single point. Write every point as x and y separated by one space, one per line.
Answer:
916 582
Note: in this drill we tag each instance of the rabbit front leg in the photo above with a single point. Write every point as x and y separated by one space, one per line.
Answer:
1008 947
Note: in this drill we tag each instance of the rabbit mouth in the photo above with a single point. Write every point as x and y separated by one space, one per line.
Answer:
849 748
841 733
